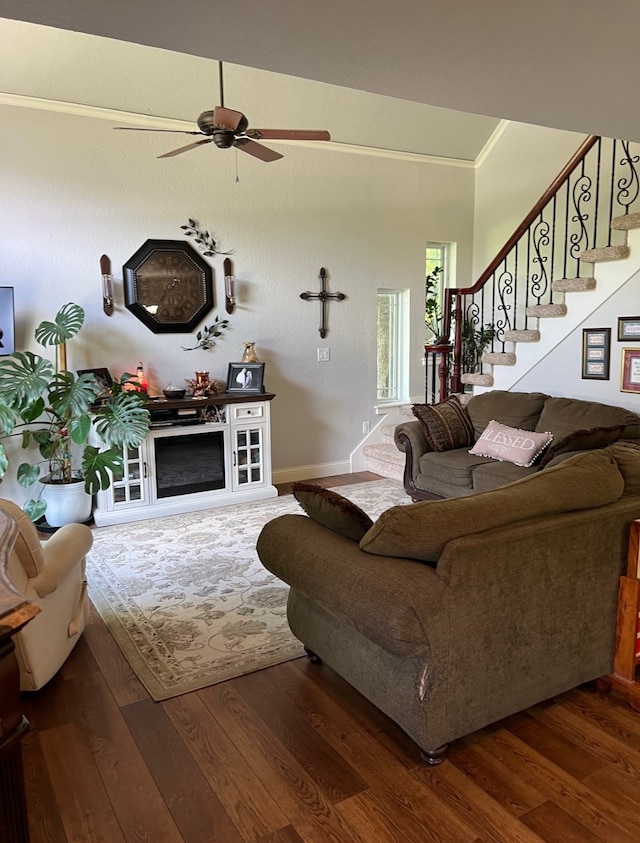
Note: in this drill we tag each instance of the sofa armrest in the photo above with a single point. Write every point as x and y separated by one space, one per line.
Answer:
409 437
63 552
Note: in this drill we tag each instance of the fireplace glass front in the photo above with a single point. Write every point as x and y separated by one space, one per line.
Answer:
186 463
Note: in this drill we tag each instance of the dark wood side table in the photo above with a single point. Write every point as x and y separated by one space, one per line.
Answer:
627 652
15 612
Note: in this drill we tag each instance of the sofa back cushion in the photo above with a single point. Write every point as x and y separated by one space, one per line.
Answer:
627 455
515 409
562 416
422 530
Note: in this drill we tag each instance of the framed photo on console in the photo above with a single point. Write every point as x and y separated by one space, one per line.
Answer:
245 377
105 381
596 353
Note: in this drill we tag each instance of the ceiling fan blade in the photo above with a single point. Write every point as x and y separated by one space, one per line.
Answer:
141 129
186 148
257 150
227 117
290 134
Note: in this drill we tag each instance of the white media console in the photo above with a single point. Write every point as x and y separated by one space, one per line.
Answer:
200 453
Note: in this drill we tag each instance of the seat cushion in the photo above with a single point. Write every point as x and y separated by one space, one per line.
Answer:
494 474
422 530
455 468
515 409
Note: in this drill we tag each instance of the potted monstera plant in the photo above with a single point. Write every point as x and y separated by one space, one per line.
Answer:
75 443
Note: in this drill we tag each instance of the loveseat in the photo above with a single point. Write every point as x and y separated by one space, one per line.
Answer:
437 444
451 614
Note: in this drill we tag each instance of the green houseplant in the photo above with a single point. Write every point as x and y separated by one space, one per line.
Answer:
475 339
433 315
55 411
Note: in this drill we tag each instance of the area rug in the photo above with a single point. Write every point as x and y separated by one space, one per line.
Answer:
187 599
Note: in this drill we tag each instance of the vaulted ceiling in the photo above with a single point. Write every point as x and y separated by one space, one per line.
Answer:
569 64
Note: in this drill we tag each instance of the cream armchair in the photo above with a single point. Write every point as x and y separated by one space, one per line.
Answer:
50 574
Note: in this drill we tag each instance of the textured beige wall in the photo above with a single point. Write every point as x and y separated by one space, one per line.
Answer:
73 189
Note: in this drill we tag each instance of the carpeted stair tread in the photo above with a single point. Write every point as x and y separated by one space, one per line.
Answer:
477 379
522 336
547 311
573 285
606 253
385 460
625 222
499 358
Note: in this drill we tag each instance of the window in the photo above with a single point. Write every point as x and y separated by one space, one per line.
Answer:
437 265
392 352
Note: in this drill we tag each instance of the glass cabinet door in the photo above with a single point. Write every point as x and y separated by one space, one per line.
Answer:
248 462
130 489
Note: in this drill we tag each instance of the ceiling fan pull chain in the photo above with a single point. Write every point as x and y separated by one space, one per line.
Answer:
237 175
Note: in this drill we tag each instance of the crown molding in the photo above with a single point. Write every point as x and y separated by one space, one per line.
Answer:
151 121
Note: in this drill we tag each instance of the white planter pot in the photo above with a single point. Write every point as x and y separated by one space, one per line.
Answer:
67 503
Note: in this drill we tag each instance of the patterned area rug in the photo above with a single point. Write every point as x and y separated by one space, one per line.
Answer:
187 598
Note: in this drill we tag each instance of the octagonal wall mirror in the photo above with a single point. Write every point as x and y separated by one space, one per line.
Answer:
168 285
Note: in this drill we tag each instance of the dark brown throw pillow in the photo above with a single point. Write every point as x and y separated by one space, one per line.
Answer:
446 425
582 440
332 510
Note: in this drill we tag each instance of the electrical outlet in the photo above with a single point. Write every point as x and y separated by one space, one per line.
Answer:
324 355
366 427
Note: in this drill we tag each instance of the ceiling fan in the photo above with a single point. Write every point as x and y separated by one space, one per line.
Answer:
227 128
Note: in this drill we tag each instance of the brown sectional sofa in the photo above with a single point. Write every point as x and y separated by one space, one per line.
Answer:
453 473
451 614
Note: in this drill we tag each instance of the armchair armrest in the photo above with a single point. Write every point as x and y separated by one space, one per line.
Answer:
62 553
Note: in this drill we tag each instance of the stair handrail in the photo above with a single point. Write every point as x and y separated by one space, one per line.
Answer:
458 292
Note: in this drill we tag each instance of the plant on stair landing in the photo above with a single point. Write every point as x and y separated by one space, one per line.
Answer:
433 315
52 409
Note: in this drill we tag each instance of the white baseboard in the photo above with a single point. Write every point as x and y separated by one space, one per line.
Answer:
308 472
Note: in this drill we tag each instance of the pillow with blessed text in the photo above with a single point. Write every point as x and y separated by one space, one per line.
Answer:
509 444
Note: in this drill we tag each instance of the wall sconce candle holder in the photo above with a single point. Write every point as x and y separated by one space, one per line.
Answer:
229 286
107 285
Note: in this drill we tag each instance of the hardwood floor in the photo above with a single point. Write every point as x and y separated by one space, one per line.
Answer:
292 754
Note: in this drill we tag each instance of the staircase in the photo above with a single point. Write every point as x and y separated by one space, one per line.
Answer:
611 267
382 456
578 245
574 249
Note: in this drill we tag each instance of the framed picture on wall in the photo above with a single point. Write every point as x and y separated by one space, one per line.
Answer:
7 323
630 379
596 353
629 328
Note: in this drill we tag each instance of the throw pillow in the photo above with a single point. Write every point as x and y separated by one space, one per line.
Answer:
332 510
510 444
422 530
582 440
446 425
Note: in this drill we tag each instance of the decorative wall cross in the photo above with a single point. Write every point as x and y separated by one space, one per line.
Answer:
323 297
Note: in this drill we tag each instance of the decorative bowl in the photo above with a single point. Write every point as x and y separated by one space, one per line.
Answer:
173 393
